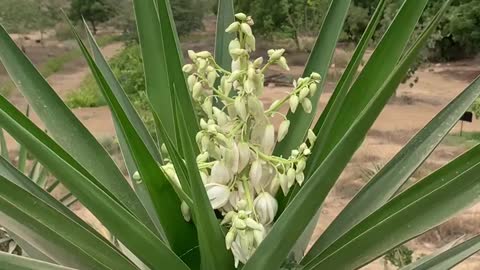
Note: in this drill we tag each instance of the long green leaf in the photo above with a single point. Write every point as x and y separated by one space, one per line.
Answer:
210 236
303 207
393 175
319 61
137 123
14 262
57 235
427 204
449 258
172 51
225 16
369 82
133 233
65 127
179 234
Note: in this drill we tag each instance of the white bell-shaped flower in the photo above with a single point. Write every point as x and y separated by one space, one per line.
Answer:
220 173
266 207
243 155
268 140
217 194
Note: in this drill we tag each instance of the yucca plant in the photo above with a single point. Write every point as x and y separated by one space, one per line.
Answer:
173 178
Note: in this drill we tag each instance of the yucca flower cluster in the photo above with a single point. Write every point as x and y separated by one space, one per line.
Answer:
237 138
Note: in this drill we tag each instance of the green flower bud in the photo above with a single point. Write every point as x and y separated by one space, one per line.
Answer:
291 177
203 157
307 105
313 89
192 79
274 185
220 116
211 78
304 93
246 29
293 103
228 217
241 16
282 62
306 152
240 107
252 224
207 107
197 90
229 237
249 86
283 130
136 176
250 43
301 165
258 62
233 27
300 177
192 55
258 236
237 52
239 224
315 76
188 68
283 180
275 54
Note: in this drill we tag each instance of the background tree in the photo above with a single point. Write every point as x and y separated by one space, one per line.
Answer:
94 11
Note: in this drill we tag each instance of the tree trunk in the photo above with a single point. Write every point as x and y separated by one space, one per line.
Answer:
94 27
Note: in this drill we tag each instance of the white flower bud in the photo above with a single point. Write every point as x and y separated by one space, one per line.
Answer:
255 106
241 16
274 185
217 194
203 124
266 208
252 224
301 166
255 173
225 86
202 64
293 103
294 153
231 157
283 180
228 218
250 43
304 93
220 173
258 62
313 89
315 76
204 176
275 54
307 105
197 90
240 107
244 155
191 80
233 27
235 76
220 116
188 68
282 62
192 55
185 211
207 107
302 147
229 239
283 130
300 177
249 86
237 52
211 78
268 140
236 65
273 105
246 29
307 152
204 54
202 157
291 177
258 236
239 224
242 204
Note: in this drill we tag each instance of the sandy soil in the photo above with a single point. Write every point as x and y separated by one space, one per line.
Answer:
399 121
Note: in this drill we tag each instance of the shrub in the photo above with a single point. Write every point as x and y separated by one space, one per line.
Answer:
224 190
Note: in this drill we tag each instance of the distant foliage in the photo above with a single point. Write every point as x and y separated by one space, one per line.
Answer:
22 16
476 108
94 11
188 16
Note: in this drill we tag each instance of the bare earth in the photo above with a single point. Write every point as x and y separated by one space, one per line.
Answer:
399 121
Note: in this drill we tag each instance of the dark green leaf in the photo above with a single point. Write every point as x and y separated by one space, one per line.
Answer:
225 16
14 262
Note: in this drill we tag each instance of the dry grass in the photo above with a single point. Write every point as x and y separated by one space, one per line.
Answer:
465 224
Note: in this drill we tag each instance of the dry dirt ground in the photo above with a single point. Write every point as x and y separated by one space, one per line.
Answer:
399 121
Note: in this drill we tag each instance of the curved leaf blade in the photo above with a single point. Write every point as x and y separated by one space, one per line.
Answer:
444 193
65 127
319 61
15 262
